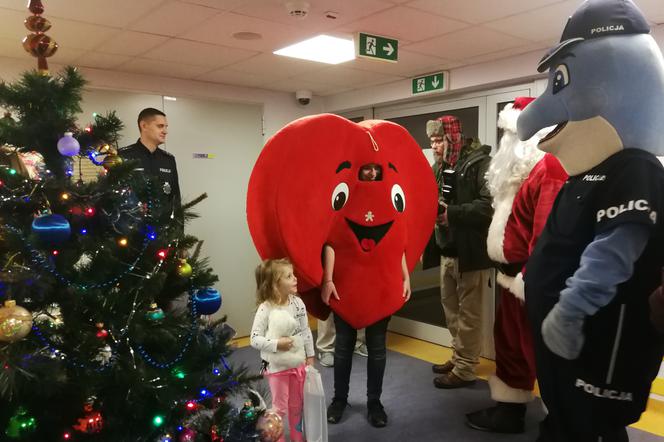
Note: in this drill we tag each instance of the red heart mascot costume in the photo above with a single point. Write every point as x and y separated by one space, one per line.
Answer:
304 193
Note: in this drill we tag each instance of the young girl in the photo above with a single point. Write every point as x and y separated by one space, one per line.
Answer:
276 288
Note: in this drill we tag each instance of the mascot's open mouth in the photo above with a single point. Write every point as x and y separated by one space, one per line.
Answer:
554 132
369 236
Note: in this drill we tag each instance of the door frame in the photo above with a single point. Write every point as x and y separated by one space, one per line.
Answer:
487 102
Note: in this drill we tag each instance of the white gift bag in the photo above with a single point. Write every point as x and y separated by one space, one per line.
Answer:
315 413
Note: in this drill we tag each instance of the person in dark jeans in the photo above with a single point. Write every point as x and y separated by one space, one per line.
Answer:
343 363
347 335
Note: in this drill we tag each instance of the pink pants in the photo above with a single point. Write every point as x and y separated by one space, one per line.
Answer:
287 388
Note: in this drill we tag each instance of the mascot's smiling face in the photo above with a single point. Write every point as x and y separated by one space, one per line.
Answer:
308 190
368 214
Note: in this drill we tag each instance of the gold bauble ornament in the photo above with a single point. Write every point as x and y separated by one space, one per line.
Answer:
15 322
270 426
184 269
111 161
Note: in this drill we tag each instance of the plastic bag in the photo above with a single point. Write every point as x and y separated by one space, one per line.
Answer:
315 413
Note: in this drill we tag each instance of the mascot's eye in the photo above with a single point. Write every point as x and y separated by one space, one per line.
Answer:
398 198
560 78
339 196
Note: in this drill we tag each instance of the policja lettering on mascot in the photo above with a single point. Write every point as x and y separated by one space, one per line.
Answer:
613 211
603 392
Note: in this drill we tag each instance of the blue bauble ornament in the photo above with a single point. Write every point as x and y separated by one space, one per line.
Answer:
68 145
207 301
51 229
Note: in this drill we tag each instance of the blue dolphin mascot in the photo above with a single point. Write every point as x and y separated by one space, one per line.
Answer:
600 256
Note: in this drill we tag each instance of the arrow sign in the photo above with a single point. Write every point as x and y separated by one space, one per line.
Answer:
376 47
433 82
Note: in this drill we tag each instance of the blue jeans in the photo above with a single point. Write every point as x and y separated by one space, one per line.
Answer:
343 357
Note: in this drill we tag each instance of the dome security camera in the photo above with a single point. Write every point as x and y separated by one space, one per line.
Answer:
303 97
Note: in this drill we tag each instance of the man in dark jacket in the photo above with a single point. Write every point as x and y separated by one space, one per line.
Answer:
158 164
462 226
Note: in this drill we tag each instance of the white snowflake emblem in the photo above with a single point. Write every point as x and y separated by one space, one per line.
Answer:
369 216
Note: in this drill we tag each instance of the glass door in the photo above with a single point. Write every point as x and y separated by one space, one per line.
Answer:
422 317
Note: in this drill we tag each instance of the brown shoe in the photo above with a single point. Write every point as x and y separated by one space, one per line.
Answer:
442 368
450 380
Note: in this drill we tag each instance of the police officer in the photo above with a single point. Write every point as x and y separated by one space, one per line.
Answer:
157 163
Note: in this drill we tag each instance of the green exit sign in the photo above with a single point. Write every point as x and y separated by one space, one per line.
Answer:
428 83
376 47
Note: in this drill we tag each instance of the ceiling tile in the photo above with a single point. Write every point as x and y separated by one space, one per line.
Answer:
77 35
277 65
220 29
9 47
199 54
466 43
131 43
173 19
343 76
478 11
227 76
116 13
652 9
539 24
97 60
506 53
66 55
319 88
162 68
414 25
11 25
348 10
222 5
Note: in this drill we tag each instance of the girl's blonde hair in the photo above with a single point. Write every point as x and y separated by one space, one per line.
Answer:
268 274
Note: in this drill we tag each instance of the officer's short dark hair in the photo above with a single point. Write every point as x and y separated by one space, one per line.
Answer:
147 114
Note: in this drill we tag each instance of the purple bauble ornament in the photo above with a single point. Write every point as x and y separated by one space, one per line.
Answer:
68 145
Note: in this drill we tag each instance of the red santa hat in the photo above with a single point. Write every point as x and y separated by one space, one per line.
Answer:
508 116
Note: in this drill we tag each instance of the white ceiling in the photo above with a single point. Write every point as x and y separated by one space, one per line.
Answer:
193 39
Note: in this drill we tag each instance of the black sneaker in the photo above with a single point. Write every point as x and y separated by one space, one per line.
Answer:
336 410
376 414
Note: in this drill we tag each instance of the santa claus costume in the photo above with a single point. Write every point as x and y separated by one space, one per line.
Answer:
524 183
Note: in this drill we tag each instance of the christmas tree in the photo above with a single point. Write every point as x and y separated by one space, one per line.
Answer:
92 344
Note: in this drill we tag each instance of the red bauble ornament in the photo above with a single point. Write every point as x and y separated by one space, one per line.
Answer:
40 45
36 23
101 333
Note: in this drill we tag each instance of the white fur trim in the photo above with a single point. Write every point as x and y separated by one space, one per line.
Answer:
496 236
503 280
517 288
507 118
501 392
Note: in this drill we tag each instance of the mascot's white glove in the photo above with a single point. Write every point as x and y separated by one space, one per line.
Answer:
563 333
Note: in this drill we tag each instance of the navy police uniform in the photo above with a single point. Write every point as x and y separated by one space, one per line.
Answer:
607 387
161 168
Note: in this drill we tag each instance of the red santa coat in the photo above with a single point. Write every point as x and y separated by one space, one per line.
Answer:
515 361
